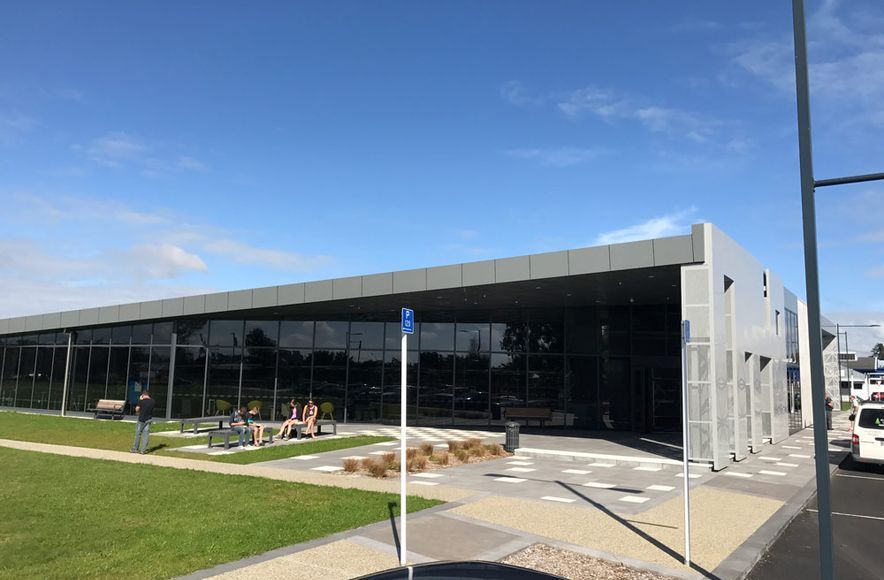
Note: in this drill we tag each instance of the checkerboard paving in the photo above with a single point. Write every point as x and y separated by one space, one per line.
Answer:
432 435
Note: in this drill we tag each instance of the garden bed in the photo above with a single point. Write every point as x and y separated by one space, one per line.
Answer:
425 458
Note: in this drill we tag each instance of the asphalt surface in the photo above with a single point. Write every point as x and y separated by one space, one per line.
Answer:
858 530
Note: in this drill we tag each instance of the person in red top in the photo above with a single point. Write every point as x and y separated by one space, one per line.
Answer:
311 411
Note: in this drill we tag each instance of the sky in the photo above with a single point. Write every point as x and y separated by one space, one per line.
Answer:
159 149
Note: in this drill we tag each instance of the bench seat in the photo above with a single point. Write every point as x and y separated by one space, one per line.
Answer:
529 413
226 433
301 427
109 407
197 420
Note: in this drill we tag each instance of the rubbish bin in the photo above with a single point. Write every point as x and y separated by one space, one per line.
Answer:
512 437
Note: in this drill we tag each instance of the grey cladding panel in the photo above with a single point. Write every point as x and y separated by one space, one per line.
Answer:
152 309
676 250
698 239
4 326
478 273
130 311
444 277
632 255
318 291
550 265
89 316
291 294
70 318
52 321
17 324
410 281
264 297
194 305
34 322
377 284
589 260
239 300
344 288
216 302
108 314
512 269
173 307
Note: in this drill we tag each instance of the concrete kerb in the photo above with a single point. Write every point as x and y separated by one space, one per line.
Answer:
740 563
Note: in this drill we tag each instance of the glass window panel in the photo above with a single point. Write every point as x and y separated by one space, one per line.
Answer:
141 333
121 334
614 394
9 376
364 387
28 339
97 385
649 318
393 338
195 332
294 375
101 335
546 332
84 336
79 367
615 318
187 391
331 334
509 336
582 331
390 412
296 333
436 391
507 384
224 374
139 377
471 395
117 371
49 338
262 332
258 378
329 378
582 390
437 336
42 376
472 337
162 334
25 386
546 382
57 385
367 335
225 333
158 379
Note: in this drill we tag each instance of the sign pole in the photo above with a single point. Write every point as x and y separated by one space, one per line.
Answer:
403 465
686 438
407 328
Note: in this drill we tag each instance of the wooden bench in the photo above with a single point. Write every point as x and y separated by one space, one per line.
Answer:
197 420
227 433
109 407
528 414
300 427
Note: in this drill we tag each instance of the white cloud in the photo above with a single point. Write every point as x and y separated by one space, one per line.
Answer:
118 149
558 157
190 163
876 272
695 23
516 93
13 125
244 253
113 149
860 340
665 225
163 261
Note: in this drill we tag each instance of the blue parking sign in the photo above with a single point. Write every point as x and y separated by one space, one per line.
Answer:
408 321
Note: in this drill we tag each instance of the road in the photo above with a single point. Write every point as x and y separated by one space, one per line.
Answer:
858 516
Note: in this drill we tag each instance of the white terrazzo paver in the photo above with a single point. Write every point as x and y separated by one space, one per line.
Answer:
558 499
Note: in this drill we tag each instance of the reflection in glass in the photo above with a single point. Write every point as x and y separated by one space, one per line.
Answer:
507 384
393 337
162 334
223 384
96 387
390 412
471 395
262 332
366 335
79 370
42 376
158 381
296 334
101 335
546 332
614 394
436 392
116 376
472 337
436 336
195 332
190 372
545 382
364 385
258 378
581 386
331 334
121 334
294 375
509 336
225 333
139 377
57 383
141 333
329 379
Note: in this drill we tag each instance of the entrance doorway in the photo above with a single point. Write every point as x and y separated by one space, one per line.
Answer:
657 399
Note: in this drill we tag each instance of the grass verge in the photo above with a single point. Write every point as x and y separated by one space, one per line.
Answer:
271 452
84 518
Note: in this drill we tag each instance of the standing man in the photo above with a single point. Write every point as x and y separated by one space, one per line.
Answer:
829 407
145 416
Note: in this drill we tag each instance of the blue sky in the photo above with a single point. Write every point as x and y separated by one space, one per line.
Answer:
159 149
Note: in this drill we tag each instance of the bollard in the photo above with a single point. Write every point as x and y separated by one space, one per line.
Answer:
512 437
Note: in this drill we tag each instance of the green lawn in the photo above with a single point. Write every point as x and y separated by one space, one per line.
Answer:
271 452
118 436
97 434
83 518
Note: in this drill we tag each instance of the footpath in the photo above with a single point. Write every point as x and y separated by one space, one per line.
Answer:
625 513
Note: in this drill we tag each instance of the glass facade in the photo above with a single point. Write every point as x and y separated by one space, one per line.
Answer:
464 368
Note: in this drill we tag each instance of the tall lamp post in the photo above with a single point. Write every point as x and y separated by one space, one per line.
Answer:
811 272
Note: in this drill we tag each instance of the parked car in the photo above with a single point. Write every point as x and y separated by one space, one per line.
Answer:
867 443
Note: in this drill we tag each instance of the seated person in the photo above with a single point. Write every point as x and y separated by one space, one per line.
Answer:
285 430
256 427
311 412
238 423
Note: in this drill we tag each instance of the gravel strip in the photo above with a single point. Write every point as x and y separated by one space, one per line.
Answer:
576 566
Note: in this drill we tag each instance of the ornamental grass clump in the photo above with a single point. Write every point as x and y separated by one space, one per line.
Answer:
495 449
351 465
455 445
377 468
427 449
441 458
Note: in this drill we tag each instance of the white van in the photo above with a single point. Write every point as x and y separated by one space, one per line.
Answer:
867 443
